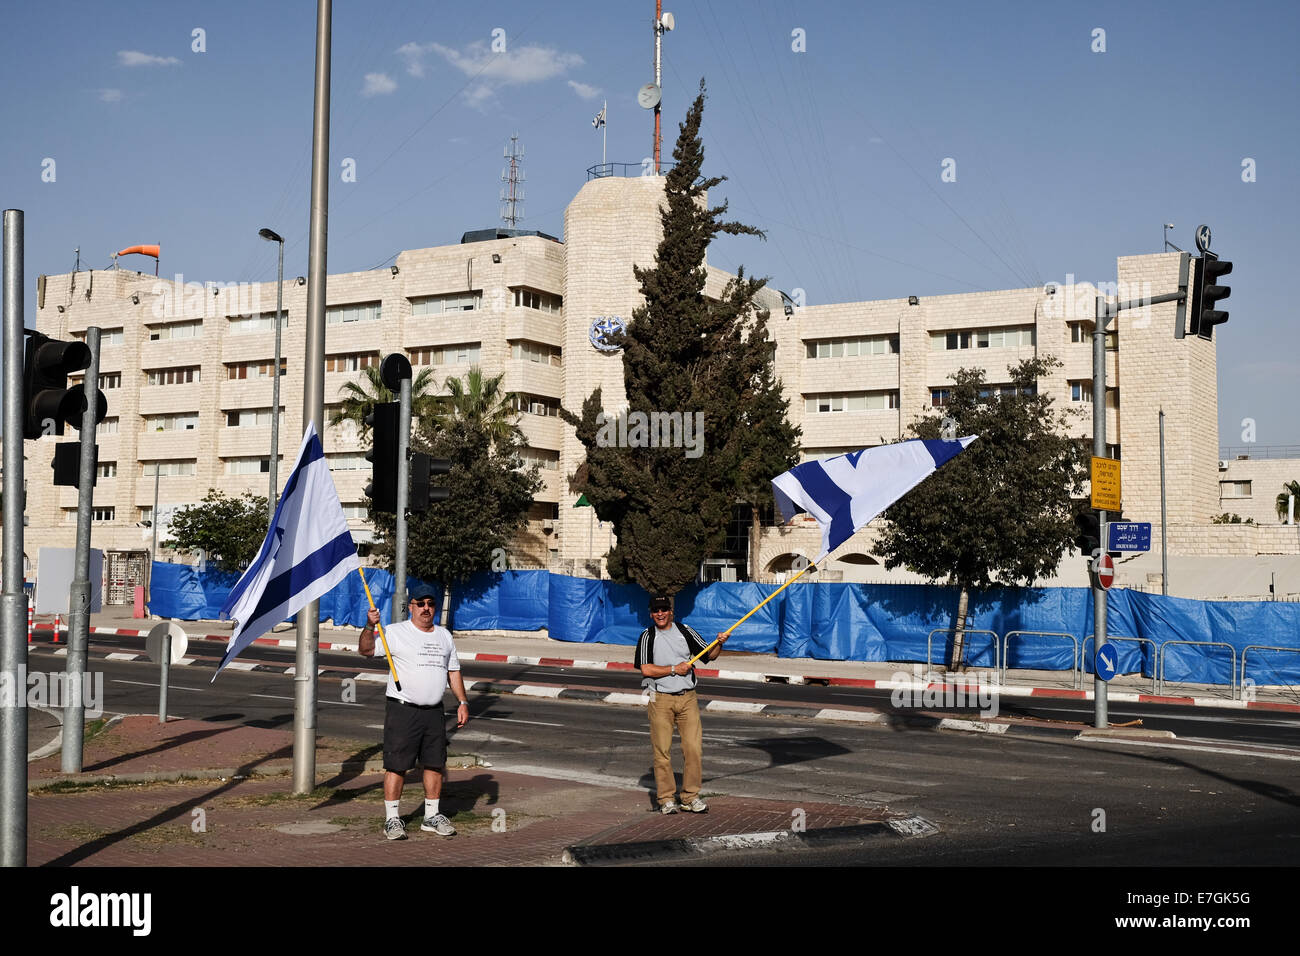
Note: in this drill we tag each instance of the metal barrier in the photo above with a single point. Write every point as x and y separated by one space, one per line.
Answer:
997 651
1074 654
628 170
1232 650
1258 647
1083 657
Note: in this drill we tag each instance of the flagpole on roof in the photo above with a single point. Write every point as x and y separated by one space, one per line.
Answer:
313 399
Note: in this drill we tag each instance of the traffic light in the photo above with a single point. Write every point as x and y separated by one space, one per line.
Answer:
422 466
67 464
48 403
1088 539
383 457
1206 293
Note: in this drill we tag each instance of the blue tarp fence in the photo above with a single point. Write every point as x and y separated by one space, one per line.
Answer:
834 621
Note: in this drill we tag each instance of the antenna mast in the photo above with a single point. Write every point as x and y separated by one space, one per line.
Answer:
512 194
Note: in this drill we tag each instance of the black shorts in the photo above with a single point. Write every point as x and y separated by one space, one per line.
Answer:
414 731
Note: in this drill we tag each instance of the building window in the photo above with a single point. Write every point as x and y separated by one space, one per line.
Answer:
101 515
248 466
537 405
466 353
245 324
847 348
106 337
106 469
183 466
354 512
1112 341
176 330
1007 391
182 422
1081 332
1112 451
245 370
172 376
1005 338
939 397
107 380
442 304
1234 489
350 462
526 351
250 417
358 312
352 362
547 459
541 301
1081 391
850 402
107 427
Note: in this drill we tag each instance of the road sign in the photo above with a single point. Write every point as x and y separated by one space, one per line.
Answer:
1104 568
1107 661
1128 536
1105 484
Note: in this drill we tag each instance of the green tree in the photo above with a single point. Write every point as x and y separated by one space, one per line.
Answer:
697 358
229 531
1002 511
361 396
490 490
1289 489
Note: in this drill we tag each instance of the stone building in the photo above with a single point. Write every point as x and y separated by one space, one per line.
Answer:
187 369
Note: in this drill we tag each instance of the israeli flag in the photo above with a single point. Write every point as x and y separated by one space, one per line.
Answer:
845 492
307 551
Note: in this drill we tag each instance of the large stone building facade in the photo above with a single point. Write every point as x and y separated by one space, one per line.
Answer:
187 369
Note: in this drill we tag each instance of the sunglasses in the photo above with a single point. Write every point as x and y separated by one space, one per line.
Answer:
424 602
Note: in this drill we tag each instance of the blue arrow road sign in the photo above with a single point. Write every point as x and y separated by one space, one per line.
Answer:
1107 661
1128 535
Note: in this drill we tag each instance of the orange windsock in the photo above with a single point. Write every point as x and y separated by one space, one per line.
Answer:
142 250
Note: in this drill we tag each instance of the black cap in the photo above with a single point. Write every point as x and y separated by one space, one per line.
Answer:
661 602
423 591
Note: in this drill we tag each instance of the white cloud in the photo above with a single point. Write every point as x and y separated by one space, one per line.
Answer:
109 95
584 90
515 67
136 58
413 53
378 84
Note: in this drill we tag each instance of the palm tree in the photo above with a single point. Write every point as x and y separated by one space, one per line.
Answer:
1288 489
479 400
360 398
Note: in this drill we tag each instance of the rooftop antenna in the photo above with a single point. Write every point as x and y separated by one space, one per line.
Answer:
512 194
650 95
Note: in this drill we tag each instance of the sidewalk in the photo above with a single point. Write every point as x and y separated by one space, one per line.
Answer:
191 793
535 649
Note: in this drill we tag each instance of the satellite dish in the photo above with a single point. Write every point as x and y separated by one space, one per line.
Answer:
154 643
667 21
648 96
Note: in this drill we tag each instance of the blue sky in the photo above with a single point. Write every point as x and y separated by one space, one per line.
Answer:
1066 156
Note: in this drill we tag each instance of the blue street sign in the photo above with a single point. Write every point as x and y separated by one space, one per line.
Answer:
1107 661
1128 535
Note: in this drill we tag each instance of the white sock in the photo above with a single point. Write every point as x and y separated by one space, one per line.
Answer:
430 808
392 809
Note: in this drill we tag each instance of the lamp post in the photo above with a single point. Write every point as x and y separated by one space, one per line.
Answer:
271 236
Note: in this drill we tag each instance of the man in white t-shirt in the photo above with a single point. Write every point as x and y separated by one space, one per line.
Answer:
424 657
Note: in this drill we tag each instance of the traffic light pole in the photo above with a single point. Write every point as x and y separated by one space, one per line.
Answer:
403 497
13 599
79 593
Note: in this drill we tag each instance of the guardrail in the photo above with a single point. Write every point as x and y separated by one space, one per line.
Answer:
1083 656
1232 650
1258 647
1074 654
644 168
929 643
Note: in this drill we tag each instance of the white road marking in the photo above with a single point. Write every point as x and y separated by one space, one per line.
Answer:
516 720
574 776
119 656
319 700
1200 749
170 685
530 690
735 706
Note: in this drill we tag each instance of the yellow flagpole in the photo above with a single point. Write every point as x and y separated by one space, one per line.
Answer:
751 613
391 669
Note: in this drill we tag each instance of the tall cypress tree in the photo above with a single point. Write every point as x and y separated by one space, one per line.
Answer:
685 355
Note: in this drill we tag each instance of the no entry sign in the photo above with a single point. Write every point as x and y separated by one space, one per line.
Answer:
1104 567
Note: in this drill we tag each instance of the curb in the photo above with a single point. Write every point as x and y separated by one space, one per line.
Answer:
662 850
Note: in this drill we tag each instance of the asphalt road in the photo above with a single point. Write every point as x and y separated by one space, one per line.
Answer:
997 799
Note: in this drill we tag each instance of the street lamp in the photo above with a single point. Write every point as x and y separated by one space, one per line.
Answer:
271 236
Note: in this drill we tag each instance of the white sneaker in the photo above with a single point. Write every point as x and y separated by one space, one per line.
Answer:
395 829
696 806
670 807
438 824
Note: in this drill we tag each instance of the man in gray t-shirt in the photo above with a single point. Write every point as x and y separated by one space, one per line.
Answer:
661 655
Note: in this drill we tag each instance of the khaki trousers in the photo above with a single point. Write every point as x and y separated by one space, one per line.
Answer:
683 712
